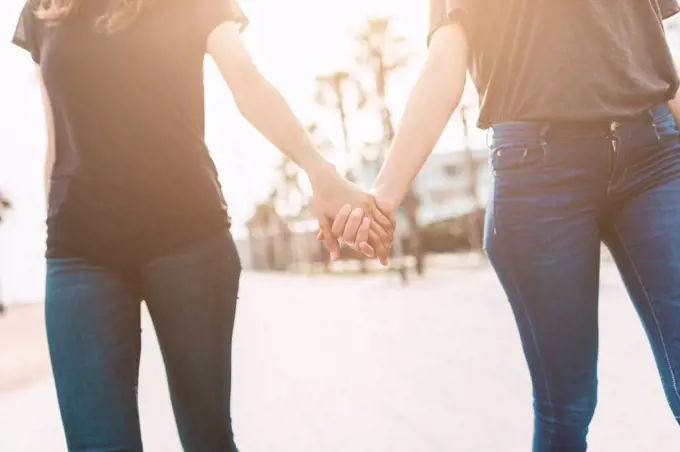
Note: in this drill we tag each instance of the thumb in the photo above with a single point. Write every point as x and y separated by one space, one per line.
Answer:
320 236
326 235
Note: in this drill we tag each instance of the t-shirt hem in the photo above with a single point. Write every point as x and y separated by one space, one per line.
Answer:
670 12
23 44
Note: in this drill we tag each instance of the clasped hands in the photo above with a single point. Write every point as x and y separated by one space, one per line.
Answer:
347 214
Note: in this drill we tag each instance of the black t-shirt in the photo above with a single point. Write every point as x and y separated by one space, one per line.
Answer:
569 60
133 177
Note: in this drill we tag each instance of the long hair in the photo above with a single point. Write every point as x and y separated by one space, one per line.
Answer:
118 16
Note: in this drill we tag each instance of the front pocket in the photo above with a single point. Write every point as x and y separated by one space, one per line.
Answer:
514 157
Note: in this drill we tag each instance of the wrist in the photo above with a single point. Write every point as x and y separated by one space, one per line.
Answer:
321 171
386 195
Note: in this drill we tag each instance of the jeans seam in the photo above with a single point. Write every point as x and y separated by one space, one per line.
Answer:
651 308
534 340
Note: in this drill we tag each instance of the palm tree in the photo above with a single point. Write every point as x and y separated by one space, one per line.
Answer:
379 54
333 92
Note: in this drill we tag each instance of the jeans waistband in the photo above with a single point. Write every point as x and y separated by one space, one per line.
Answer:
512 131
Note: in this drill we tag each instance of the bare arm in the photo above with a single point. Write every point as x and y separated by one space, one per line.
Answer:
430 105
674 106
266 109
49 124
668 9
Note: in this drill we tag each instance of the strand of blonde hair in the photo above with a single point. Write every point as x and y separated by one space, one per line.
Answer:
119 15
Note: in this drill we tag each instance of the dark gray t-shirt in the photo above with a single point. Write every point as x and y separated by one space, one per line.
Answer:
133 177
570 60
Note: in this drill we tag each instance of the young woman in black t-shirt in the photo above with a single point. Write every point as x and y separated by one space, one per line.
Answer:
135 209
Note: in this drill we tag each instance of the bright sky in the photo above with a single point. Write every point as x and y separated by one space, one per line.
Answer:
292 41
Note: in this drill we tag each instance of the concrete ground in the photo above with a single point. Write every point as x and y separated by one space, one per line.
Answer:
361 364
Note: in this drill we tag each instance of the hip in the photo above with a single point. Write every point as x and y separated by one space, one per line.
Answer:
129 241
590 154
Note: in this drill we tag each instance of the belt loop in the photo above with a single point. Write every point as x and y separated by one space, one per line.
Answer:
651 113
612 129
544 135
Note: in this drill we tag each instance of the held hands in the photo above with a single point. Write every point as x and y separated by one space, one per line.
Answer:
346 213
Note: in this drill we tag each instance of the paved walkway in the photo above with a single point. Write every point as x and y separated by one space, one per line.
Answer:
363 365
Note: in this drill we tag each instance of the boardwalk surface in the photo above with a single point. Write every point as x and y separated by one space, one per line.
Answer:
350 364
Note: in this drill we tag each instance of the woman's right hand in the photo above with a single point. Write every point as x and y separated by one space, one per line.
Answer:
347 225
358 220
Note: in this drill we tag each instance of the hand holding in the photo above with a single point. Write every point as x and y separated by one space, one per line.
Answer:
351 227
333 194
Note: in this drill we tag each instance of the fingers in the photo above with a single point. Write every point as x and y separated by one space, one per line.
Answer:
385 224
366 249
381 234
372 247
338 227
361 233
328 238
355 233
347 223
362 238
381 250
354 222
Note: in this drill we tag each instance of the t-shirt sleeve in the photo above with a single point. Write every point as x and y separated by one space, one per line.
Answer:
29 32
444 12
213 13
668 8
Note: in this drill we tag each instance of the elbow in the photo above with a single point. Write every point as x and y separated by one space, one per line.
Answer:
247 89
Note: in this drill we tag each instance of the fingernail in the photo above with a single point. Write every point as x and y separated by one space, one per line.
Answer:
334 255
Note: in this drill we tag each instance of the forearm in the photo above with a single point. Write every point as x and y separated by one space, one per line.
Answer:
49 129
674 106
47 174
266 109
46 179
431 103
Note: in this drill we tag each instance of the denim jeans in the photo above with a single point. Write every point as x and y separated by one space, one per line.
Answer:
93 329
558 192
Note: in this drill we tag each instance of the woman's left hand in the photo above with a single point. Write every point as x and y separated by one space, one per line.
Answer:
331 194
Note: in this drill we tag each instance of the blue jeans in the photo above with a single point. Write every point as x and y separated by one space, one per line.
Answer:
93 329
558 191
